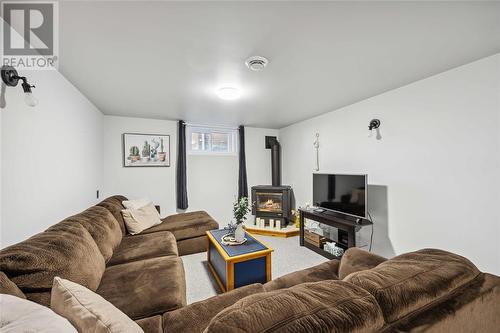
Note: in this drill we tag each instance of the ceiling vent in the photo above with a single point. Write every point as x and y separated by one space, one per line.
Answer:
256 63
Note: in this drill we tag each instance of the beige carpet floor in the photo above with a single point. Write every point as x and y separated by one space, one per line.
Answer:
287 257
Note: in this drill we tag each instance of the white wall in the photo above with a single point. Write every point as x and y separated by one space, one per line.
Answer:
212 180
435 174
51 156
156 183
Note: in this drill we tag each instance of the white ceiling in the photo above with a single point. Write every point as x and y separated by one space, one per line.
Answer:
164 59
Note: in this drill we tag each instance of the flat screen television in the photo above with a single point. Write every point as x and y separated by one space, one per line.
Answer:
346 194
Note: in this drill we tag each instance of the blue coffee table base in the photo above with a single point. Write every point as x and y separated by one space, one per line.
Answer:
237 266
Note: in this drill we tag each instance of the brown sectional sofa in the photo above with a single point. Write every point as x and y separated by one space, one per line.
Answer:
141 274
424 291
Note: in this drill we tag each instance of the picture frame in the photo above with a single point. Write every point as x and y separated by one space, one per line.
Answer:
145 150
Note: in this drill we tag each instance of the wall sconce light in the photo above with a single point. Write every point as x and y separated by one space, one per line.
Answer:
374 125
11 78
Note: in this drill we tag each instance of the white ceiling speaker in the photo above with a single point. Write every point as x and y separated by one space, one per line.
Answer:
256 63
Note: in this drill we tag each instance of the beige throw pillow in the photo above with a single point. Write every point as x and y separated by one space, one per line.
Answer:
136 204
140 219
87 311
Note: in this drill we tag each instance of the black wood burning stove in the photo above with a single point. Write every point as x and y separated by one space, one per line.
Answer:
273 201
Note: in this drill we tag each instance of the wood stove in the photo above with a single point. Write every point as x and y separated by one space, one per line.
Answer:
273 201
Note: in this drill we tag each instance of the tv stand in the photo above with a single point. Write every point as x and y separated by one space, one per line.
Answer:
347 224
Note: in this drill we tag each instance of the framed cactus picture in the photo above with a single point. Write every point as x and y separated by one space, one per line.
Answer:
146 150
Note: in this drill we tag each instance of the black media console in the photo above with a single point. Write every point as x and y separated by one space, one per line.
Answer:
346 226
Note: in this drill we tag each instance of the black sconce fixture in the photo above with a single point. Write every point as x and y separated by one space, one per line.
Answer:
374 125
11 78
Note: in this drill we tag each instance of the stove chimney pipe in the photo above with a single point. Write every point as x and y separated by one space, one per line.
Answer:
275 161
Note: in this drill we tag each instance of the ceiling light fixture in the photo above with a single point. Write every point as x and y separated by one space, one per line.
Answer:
229 93
11 78
256 63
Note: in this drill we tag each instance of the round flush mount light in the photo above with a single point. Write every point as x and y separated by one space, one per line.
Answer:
229 93
256 63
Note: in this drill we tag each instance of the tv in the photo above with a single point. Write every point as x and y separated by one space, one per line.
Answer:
345 194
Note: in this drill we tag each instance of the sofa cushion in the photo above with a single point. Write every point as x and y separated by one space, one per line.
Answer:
151 324
195 317
186 225
67 251
356 259
139 247
101 225
192 245
473 308
414 280
325 271
114 205
8 287
326 306
145 288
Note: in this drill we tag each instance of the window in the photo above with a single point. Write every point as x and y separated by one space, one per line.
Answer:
211 140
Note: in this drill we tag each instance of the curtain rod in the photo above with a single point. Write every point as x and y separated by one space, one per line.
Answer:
211 126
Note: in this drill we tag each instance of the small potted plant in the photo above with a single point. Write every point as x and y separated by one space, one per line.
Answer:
162 154
240 210
134 154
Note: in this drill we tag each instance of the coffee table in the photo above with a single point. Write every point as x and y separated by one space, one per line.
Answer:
239 265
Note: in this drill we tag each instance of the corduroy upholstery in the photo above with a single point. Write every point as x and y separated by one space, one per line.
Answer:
195 317
325 271
355 259
192 245
151 324
186 225
425 291
144 275
145 288
101 225
475 307
327 306
140 247
114 206
68 251
414 280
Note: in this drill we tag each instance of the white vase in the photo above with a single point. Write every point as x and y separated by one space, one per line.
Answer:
239 233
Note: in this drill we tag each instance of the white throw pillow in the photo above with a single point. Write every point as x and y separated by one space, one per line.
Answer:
20 315
140 219
136 204
87 311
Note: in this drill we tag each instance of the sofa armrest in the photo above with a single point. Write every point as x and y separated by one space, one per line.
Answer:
356 259
195 317
325 271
